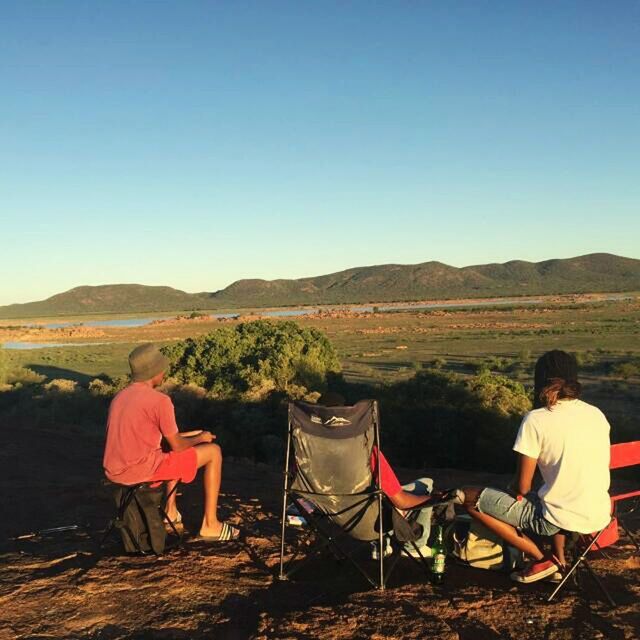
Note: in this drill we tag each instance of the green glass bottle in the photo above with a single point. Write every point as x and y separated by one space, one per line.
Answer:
438 558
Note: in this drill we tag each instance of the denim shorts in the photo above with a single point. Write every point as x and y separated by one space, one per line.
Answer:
525 515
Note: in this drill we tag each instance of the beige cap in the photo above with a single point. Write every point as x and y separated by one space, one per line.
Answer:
146 362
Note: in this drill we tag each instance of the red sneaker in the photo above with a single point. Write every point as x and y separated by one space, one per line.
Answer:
536 571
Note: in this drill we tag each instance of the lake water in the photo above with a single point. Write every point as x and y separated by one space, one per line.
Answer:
281 313
46 345
286 313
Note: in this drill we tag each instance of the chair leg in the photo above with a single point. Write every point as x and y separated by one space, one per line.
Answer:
283 529
626 530
582 558
564 580
117 522
597 580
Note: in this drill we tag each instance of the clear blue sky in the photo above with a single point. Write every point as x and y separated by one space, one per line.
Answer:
195 143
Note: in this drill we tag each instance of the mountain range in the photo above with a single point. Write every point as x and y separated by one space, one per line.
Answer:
597 272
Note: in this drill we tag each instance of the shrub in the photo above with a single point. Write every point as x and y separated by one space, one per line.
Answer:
628 369
585 359
524 356
446 420
10 375
24 376
499 393
107 387
254 356
60 385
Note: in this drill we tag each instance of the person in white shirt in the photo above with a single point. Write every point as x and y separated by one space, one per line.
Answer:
568 441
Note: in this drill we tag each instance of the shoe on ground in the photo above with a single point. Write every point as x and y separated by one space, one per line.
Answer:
555 577
375 553
536 571
410 551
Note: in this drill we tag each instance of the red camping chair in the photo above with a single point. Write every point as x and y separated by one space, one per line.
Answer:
626 454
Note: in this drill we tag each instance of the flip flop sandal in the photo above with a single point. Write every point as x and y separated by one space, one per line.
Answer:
176 522
178 519
227 534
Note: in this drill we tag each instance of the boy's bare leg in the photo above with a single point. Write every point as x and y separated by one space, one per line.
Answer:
210 457
507 532
171 507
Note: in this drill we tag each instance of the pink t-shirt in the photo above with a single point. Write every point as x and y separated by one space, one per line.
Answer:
138 418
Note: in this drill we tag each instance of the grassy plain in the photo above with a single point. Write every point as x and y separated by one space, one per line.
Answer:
386 347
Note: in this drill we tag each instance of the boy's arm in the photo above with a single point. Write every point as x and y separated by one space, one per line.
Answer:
404 500
182 441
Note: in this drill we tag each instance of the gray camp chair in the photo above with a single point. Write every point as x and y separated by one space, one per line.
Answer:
331 469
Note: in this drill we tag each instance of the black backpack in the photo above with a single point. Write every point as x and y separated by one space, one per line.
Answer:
141 526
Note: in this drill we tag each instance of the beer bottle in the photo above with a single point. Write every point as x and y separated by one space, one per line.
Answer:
438 558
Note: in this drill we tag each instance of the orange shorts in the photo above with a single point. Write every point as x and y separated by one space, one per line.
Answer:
177 465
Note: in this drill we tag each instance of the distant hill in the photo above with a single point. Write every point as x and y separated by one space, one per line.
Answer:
110 298
384 283
394 282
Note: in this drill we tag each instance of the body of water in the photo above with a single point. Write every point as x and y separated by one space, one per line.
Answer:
286 313
47 345
280 313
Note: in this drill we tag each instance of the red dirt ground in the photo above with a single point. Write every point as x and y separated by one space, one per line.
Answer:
62 586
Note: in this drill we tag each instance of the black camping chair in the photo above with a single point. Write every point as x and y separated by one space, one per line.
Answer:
139 519
332 449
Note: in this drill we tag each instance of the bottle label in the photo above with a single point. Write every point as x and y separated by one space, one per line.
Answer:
438 563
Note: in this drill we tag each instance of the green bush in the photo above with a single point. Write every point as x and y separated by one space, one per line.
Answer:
253 359
627 369
439 419
587 360
500 394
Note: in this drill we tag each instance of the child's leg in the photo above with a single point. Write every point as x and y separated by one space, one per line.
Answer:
509 534
421 487
501 514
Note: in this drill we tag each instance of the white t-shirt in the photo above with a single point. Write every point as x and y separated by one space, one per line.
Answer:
571 444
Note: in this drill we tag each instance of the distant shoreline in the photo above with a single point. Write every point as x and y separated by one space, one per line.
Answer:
572 298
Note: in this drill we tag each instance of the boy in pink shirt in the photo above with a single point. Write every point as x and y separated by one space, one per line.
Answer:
139 418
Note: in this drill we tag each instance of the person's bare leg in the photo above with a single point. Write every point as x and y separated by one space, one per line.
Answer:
210 457
171 506
558 547
509 534
506 531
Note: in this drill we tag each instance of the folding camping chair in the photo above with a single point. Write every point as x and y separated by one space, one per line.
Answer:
140 514
626 454
331 469
582 545
623 455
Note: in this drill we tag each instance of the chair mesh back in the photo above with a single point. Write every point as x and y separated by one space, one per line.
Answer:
332 448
